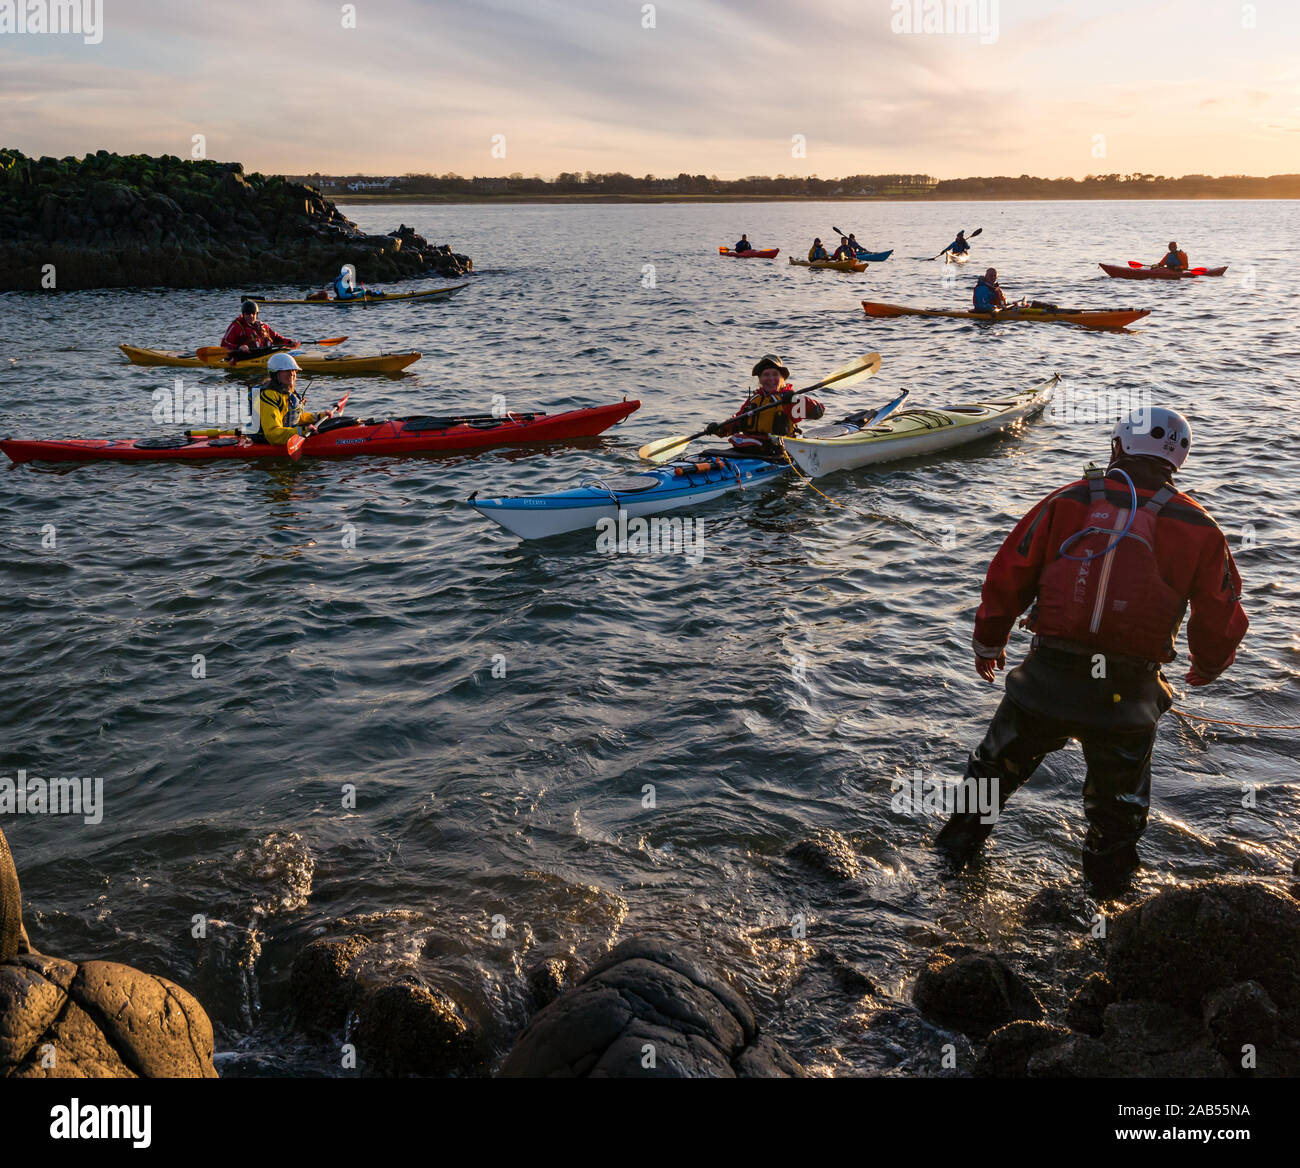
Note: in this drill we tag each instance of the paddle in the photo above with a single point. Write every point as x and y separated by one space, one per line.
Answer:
1186 271
294 446
212 352
971 236
663 449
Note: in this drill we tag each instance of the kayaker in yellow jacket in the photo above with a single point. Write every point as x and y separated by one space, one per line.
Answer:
277 405
780 410
817 251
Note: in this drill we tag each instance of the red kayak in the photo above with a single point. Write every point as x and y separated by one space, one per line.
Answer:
770 254
1157 273
340 438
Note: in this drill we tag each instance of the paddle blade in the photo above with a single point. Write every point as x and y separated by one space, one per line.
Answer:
294 447
1135 264
327 341
859 370
1197 271
663 449
722 251
977 231
212 353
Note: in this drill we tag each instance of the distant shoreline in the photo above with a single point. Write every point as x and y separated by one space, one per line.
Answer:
450 200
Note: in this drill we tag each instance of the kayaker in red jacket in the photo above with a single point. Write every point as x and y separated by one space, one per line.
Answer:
780 409
844 251
1110 582
246 333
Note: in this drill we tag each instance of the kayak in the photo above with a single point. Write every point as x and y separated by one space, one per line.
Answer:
909 433
1103 318
648 492
834 265
313 363
950 257
769 254
340 438
662 488
875 257
1127 273
391 298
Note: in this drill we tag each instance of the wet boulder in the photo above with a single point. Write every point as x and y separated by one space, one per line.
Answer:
646 1010
974 991
323 982
408 1028
94 1019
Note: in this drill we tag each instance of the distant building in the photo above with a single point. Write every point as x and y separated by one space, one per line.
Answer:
385 184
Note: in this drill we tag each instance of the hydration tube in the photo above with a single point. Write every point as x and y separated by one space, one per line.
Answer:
1132 515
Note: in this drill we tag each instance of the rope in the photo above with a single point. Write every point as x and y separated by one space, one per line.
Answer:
1224 722
845 507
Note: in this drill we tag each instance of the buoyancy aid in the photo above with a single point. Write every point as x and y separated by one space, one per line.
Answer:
1104 590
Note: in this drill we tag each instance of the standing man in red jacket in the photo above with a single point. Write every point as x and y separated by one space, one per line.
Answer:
1111 564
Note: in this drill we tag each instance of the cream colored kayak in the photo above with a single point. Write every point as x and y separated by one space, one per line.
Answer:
824 450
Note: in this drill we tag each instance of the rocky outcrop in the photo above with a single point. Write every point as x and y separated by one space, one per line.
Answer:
95 1019
112 221
1200 982
648 1011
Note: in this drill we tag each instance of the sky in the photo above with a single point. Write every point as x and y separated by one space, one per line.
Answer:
1054 88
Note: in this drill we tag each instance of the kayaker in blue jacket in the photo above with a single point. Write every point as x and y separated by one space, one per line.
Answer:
817 251
855 247
988 295
744 244
347 288
960 245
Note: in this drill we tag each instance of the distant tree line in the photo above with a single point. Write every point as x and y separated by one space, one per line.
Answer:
881 186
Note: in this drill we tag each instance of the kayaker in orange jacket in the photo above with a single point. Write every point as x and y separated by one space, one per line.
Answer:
1110 564
780 410
1173 258
248 334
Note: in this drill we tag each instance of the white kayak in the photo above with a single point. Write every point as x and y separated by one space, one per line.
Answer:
909 433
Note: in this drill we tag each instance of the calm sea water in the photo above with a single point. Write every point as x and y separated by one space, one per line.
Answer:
769 693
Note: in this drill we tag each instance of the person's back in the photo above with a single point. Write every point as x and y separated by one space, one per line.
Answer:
1111 564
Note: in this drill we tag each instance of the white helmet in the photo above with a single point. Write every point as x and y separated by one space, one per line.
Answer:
279 362
1156 433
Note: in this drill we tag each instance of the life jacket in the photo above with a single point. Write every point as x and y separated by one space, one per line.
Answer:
1179 258
1104 590
985 296
290 402
345 291
818 253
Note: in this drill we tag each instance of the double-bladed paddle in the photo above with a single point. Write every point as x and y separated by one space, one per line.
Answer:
663 449
212 352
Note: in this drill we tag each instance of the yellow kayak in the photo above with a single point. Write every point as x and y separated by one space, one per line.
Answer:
391 298
309 363
834 265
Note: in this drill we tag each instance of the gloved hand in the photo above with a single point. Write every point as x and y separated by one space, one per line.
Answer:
713 428
787 397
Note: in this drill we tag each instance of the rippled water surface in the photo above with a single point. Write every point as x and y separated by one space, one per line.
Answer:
769 693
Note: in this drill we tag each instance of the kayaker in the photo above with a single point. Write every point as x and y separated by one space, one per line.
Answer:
855 248
347 288
817 251
1173 258
247 334
276 405
780 408
988 295
744 244
960 245
1111 564
844 252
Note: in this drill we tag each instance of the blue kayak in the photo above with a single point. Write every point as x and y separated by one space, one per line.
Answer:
647 492
875 257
